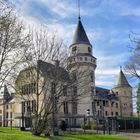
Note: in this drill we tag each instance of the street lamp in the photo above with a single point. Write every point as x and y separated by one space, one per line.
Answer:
88 119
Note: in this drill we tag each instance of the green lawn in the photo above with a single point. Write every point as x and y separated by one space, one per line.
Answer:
15 134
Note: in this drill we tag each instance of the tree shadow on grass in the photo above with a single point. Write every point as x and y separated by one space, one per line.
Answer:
2 131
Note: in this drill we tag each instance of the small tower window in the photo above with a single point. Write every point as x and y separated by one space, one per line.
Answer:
89 49
74 49
92 90
106 113
92 76
85 58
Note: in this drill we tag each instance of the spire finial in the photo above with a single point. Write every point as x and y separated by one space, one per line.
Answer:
79 16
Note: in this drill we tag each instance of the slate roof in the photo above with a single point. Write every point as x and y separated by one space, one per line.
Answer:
105 94
122 81
52 71
80 35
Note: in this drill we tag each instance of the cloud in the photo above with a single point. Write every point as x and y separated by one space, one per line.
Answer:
109 38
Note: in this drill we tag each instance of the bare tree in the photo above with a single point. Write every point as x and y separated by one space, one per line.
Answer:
42 86
13 41
133 64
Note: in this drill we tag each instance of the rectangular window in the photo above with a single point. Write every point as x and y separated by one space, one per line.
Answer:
106 103
116 113
106 113
97 103
65 107
112 113
28 106
11 115
0 111
74 108
7 114
89 49
112 104
53 88
92 90
103 103
65 90
7 106
23 106
92 76
116 105
33 105
74 90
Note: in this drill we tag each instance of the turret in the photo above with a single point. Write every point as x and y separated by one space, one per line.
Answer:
123 91
81 48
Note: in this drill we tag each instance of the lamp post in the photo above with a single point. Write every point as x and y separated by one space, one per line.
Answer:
88 119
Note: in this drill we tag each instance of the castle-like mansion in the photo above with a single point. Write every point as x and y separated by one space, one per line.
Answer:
86 97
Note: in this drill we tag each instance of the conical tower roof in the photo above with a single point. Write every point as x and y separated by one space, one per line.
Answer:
80 36
122 81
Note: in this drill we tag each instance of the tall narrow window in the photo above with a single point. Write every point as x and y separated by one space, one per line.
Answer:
23 106
74 108
33 105
74 90
92 76
53 88
106 113
7 114
112 113
11 115
116 113
92 90
65 107
116 105
64 90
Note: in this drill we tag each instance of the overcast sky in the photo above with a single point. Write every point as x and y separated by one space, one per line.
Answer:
107 23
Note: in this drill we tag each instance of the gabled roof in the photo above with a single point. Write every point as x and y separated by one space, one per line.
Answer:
52 71
105 94
122 81
80 35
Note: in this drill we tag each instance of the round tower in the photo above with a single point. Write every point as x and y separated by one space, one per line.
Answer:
82 65
123 91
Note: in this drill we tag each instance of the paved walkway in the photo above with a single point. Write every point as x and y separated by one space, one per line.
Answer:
132 135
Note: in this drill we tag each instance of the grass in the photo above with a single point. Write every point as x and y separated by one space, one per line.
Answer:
16 134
